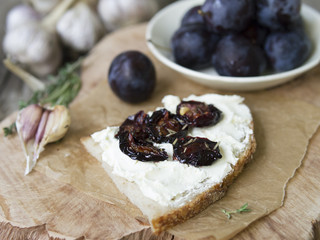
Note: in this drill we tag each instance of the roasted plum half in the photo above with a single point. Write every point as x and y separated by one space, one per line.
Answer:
196 151
136 125
166 127
140 150
198 114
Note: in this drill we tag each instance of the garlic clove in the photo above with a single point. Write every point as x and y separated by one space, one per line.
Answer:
27 124
38 126
57 125
28 121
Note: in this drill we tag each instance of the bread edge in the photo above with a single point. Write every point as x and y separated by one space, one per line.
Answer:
202 200
205 199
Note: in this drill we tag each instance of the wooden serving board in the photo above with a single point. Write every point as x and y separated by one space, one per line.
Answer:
61 210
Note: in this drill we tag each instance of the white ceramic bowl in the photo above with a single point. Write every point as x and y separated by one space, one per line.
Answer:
163 25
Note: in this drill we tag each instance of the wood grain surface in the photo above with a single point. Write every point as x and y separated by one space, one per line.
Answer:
57 202
297 219
12 89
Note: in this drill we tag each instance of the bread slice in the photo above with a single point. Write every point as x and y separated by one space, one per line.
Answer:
163 215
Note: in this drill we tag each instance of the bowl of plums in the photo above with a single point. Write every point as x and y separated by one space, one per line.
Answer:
237 45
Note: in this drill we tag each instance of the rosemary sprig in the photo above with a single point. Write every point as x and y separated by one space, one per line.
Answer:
243 208
63 89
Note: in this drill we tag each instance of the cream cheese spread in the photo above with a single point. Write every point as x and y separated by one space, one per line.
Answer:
171 183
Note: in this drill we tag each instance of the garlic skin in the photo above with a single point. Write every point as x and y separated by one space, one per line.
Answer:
44 6
119 13
21 15
38 47
28 121
27 125
80 28
58 121
37 126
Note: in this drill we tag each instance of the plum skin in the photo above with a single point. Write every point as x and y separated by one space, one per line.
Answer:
226 16
193 46
287 50
192 16
278 15
132 76
236 56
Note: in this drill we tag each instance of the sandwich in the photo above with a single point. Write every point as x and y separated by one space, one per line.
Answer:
174 162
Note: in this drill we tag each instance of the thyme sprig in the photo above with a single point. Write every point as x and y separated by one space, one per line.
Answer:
10 130
63 88
243 208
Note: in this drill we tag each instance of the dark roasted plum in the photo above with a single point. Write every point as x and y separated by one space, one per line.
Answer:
278 15
166 127
196 151
136 125
198 114
140 150
287 50
235 55
224 16
132 76
192 16
193 46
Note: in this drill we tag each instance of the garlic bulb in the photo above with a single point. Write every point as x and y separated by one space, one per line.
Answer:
80 28
35 44
44 6
21 15
32 45
37 126
119 13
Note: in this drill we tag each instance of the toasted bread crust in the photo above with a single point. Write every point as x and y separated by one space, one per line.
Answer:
203 200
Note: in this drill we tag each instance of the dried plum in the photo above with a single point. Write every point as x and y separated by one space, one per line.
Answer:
136 125
140 150
166 127
196 151
198 114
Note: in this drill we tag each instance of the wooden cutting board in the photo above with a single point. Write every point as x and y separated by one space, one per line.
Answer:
61 206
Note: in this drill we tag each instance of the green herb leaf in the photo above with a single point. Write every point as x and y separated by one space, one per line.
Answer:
64 87
243 208
9 130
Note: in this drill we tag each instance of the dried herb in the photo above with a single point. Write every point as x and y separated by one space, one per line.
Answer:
10 130
63 89
243 208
